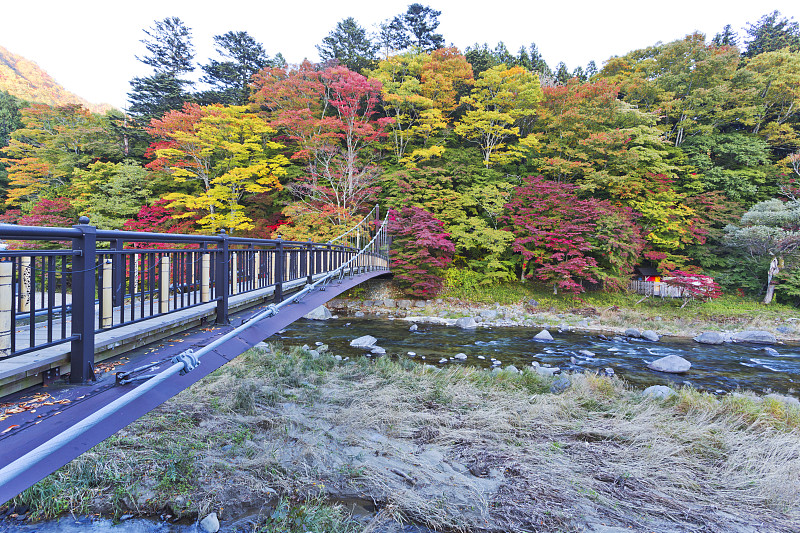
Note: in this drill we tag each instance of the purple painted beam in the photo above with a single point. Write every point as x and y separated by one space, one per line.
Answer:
35 428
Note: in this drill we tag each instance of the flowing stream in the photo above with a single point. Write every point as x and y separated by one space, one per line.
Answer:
721 368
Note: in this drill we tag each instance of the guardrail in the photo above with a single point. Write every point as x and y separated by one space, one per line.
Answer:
110 279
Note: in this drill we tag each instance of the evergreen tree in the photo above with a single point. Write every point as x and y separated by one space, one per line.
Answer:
10 117
772 32
726 38
591 69
349 45
171 55
231 79
562 74
418 25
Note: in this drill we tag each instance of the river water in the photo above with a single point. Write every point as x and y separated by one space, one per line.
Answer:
720 368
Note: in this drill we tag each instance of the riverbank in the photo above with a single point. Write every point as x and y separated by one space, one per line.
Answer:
518 304
279 435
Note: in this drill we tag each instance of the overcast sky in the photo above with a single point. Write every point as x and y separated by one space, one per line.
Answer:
89 46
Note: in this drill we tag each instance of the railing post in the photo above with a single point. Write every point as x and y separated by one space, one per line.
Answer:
105 320
310 263
163 290
279 266
222 281
205 278
118 276
326 258
256 270
234 272
25 276
6 272
83 293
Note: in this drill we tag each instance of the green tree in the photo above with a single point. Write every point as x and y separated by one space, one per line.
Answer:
349 45
771 33
171 54
244 56
418 25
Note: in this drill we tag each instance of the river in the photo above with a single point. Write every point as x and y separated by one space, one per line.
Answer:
715 368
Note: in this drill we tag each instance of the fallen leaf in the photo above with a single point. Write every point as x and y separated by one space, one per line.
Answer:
9 428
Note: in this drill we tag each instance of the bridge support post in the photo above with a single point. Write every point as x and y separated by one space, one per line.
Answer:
25 275
222 279
280 263
105 320
163 285
205 278
83 293
6 273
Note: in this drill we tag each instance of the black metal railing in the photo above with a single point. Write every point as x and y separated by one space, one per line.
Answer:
109 279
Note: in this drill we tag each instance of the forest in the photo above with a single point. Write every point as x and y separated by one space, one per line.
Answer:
683 156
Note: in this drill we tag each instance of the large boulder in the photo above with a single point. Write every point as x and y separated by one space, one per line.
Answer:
633 332
543 335
367 341
466 322
671 363
404 304
755 337
710 337
320 313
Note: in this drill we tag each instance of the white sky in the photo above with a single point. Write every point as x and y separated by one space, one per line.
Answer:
89 46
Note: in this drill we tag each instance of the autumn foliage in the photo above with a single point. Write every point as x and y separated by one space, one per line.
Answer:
421 251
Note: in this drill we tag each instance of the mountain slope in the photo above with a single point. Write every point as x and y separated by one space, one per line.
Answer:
25 79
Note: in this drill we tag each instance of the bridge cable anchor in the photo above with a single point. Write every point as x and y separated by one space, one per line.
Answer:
189 360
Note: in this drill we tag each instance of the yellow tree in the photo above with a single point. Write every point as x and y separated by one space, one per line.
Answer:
227 152
777 98
500 104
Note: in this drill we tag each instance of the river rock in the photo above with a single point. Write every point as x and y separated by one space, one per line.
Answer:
512 368
587 353
466 322
404 304
359 314
460 356
564 327
650 335
388 302
710 337
783 329
755 337
412 354
420 303
533 303
443 360
377 350
489 314
771 351
560 385
672 363
633 332
658 391
543 335
367 341
547 370
320 313
210 524
413 327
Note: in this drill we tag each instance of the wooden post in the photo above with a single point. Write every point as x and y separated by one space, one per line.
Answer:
256 269
6 269
24 284
133 278
107 294
163 292
234 272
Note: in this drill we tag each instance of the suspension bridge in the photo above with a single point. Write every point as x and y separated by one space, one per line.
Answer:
96 334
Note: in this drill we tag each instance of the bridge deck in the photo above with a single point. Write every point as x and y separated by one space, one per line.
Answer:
23 371
32 417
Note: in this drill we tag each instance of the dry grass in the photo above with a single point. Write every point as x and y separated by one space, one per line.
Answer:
458 449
